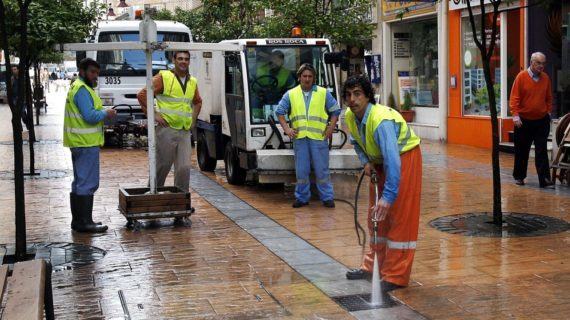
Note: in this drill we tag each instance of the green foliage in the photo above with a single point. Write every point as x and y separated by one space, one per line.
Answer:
218 20
391 101
407 102
49 23
342 22
162 14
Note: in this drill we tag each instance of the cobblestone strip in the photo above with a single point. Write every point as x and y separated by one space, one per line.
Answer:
319 268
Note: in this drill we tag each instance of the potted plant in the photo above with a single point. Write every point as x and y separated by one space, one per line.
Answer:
406 108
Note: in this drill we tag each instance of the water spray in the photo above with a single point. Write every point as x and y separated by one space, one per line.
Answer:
376 296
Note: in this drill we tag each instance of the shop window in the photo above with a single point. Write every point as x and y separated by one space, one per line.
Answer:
414 53
475 95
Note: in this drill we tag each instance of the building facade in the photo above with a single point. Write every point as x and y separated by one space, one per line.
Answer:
429 52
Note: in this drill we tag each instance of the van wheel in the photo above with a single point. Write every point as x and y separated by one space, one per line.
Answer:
205 162
234 173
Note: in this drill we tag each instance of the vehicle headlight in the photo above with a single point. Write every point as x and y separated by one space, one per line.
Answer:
107 101
258 132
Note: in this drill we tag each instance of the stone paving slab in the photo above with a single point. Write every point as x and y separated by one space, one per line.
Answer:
453 277
212 270
323 271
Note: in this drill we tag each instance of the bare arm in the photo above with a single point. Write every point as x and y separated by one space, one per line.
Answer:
291 133
142 95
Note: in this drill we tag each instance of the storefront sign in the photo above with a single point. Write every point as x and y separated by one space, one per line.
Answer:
373 64
391 8
401 45
462 4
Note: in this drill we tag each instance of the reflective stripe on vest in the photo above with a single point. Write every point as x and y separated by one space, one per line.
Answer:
312 122
175 104
78 133
407 139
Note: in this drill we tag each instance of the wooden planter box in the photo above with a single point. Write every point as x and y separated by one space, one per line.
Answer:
168 202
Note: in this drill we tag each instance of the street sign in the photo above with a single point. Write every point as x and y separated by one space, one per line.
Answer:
462 4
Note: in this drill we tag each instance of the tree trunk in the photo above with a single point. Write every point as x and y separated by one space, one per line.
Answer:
486 54
497 211
30 122
37 95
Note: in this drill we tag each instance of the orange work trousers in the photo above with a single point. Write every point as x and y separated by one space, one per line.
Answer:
398 233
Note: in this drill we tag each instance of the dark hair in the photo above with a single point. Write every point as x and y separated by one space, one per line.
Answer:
85 63
304 67
278 53
183 51
362 82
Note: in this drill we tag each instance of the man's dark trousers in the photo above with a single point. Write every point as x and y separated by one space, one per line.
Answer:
536 131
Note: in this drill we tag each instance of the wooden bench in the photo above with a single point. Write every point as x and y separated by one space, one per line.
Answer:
28 291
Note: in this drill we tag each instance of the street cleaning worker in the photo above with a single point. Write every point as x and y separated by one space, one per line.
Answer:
83 134
175 91
309 108
273 70
386 144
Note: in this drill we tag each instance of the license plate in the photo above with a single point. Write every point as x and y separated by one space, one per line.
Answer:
112 80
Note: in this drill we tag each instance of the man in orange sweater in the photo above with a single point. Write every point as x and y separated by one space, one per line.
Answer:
531 104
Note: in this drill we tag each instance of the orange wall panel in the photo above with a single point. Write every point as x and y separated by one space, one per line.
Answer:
470 131
455 60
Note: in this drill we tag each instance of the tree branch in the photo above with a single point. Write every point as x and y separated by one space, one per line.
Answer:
483 25
473 29
496 4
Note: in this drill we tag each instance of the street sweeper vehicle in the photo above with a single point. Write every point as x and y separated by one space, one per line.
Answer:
241 91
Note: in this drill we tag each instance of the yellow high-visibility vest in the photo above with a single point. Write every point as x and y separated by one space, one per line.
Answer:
312 122
175 104
76 131
407 139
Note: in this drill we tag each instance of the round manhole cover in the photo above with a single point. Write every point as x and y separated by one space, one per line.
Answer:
480 224
62 255
40 174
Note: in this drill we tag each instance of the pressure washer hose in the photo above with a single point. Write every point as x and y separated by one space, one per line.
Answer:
357 226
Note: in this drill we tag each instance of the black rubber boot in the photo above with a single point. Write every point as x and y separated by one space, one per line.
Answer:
74 216
85 212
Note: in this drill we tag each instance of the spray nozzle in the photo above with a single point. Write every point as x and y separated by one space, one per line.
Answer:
373 176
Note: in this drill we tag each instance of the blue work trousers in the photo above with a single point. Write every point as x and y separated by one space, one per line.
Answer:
85 170
312 153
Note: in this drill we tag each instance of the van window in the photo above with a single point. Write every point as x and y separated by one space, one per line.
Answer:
133 62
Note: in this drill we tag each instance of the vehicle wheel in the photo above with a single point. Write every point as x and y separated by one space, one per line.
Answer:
234 173
205 162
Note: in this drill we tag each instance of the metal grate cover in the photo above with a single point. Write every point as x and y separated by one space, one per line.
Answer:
479 224
40 174
62 255
357 302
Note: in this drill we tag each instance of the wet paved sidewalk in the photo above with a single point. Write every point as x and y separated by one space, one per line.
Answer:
213 269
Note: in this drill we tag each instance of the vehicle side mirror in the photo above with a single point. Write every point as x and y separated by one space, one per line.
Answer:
80 55
338 58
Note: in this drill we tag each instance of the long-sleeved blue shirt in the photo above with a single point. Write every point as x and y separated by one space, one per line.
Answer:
84 102
386 137
333 109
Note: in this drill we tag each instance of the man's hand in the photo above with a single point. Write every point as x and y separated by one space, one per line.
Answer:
517 121
329 132
160 120
291 133
111 113
368 168
380 211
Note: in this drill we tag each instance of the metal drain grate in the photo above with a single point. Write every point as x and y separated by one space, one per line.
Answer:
357 302
40 174
479 224
62 255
